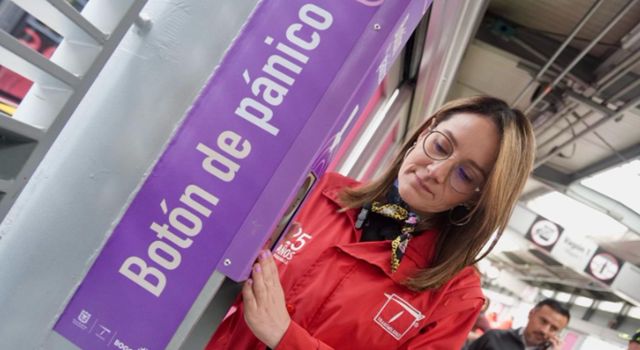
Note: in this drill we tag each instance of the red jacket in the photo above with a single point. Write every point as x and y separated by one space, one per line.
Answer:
341 294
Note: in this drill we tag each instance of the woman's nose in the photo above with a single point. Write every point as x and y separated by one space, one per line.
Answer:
440 169
546 330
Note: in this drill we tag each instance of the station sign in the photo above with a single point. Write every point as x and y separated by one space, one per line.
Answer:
544 233
573 252
604 266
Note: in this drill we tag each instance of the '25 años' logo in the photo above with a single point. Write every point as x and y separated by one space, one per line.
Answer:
293 243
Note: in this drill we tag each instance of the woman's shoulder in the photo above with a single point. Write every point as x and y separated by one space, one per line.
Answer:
332 183
468 277
336 180
462 294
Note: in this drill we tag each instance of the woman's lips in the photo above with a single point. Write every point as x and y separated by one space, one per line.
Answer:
422 185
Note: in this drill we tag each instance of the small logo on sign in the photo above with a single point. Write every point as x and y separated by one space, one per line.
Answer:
397 316
604 266
544 233
103 332
82 319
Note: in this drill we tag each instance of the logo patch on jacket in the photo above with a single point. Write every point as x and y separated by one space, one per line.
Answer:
295 240
397 316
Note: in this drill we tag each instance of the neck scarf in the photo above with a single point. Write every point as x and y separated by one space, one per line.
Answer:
396 209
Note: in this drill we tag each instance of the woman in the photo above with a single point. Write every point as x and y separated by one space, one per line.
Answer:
389 264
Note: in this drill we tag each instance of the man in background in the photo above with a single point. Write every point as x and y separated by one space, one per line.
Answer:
546 320
634 342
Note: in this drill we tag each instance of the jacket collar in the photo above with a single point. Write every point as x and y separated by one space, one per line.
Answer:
418 255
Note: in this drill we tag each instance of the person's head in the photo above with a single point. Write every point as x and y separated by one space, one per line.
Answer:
634 342
486 304
463 169
449 162
546 319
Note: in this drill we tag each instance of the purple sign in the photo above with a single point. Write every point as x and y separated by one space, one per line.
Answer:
278 104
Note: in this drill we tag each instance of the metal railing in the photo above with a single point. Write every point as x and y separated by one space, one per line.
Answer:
60 83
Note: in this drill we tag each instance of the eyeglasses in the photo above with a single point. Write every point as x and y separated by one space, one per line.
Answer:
465 179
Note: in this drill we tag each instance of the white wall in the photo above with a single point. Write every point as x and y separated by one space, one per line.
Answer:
66 212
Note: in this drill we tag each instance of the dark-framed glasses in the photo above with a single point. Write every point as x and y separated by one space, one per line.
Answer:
464 177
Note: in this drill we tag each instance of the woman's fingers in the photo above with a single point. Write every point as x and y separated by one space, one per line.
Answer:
265 309
268 265
266 281
259 287
248 297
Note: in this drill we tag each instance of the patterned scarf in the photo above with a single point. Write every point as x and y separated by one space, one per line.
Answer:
394 209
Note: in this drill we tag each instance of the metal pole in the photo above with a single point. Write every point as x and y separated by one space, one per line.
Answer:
554 69
622 92
595 40
589 103
571 125
578 136
618 68
619 75
537 54
546 125
566 42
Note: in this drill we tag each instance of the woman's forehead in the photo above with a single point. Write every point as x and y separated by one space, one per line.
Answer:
475 137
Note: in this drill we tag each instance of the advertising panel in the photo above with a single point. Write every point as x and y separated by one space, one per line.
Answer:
275 109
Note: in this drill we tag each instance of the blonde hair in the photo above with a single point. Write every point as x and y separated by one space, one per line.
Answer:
458 246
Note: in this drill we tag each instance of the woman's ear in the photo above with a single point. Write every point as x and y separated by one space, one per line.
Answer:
473 201
432 124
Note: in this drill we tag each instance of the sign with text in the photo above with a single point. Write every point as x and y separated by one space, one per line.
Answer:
604 266
572 252
275 108
544 233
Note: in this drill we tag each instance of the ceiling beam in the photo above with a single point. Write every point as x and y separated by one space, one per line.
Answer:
608 162
497 31
553 177
605 204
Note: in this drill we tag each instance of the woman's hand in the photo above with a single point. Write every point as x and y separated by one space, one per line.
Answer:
265 310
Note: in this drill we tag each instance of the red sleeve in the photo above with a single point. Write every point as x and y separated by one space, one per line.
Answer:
451 323
296 338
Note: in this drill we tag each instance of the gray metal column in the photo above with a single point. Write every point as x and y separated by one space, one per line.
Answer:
67 210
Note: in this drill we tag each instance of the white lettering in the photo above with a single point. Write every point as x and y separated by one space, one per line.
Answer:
187 199
230 167
260 115
163 231
323 22
190 225
289 51
269 88
281 69
371 3
168 251
294 38
140 278
120 345
228 141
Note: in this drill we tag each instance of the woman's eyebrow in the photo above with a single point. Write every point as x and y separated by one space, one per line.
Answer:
455 144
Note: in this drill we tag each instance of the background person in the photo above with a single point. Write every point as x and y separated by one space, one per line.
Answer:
481 325
546 320
634 342
389 264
